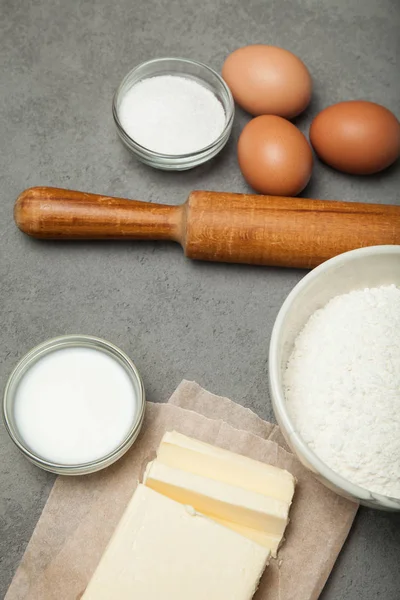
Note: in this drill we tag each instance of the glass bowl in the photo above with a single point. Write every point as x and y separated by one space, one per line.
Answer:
366 267
73 341
190 70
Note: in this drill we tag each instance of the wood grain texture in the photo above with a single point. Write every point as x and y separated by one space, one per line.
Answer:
54 213
216 226
285 232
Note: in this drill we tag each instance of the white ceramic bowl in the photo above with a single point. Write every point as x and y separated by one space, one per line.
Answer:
366 267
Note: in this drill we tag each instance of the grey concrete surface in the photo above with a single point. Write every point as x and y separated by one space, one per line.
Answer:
61 62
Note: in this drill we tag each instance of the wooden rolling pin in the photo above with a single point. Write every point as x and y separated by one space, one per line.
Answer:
216 226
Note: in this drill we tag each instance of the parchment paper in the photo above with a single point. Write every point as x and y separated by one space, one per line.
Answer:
82 512
191 396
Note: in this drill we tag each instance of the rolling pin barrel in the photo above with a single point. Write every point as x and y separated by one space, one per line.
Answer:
285 232
213 226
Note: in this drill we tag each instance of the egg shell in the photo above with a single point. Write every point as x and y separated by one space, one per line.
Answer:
356 137
268 80
274 156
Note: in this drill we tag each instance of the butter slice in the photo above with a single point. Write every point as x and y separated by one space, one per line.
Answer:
260 536
182 452
220 500
163 549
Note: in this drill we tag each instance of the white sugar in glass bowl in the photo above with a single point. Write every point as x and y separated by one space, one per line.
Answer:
364 268
165 99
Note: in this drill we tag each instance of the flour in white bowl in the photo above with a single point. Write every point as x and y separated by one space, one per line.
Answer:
342 386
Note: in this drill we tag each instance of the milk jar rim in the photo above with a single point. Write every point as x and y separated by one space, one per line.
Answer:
52 345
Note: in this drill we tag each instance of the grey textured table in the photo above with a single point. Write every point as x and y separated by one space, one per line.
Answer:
61 63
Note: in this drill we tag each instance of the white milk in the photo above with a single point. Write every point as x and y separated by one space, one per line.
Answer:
74 405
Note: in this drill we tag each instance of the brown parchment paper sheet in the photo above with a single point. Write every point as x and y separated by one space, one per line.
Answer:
192 396
82 512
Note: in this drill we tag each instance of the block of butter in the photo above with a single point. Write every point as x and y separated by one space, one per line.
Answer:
182 452
246 495
229 504
162 549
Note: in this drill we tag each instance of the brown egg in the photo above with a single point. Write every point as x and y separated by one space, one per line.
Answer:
356 137
274 156
266 80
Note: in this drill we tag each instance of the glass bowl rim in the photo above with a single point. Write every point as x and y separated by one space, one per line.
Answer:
175 157
52 345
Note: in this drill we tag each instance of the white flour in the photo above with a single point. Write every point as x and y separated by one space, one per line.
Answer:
342 385
171 115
